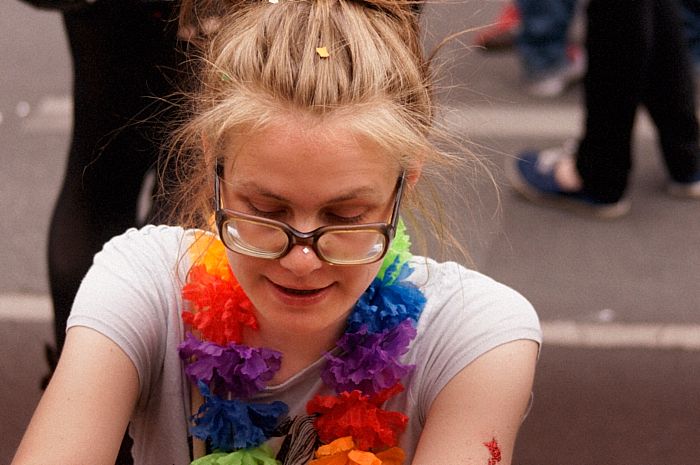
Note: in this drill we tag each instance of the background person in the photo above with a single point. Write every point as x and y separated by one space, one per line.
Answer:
125 64
649 65
540 31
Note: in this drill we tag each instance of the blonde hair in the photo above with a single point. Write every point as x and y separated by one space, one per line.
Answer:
262 64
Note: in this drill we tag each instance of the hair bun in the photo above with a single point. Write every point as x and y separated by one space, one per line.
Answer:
196 15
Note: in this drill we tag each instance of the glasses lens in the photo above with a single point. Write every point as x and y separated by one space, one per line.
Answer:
352 247
253 238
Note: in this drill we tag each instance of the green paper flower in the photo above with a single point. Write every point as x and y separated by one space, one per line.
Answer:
262 455
400 248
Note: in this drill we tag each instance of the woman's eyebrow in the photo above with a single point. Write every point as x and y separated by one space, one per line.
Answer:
360 192
258 190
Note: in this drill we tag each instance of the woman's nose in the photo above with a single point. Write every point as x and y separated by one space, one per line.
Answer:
301 260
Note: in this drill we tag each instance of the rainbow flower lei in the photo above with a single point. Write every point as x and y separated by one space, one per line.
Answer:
350 428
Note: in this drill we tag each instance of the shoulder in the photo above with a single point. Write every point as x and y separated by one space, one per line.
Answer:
145 258
455 292
137 268
154 240
466 315
131 295
150 249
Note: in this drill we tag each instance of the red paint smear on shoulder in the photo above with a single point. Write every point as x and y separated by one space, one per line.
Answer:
494 450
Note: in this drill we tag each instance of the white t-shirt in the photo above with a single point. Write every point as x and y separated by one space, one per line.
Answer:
132 295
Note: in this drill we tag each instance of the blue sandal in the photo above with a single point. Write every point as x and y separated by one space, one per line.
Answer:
531 174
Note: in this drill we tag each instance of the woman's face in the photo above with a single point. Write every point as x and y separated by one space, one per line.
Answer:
307 178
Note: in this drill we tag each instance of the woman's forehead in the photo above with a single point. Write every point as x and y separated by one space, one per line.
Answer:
299 150
285 191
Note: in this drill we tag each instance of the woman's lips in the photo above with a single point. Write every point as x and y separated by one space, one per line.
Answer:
296 296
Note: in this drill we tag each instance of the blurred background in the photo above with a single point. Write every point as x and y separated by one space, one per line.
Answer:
619 373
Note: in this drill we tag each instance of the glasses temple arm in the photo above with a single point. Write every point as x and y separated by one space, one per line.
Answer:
217 187
397 204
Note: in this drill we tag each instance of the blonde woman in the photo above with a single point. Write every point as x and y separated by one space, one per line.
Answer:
285 320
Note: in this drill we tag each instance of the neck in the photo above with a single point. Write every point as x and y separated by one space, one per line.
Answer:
298 353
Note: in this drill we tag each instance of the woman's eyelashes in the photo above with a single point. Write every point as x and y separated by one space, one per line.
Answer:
266 211
331 216
335 218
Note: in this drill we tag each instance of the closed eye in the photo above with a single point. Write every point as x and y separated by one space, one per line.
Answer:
265 211
334 219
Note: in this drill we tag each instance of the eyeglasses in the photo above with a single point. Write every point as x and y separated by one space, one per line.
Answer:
339 245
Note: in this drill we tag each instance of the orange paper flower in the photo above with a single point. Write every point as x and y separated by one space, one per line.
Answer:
211 253
342 452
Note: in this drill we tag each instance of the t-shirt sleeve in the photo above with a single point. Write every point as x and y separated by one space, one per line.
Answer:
131 293
466 315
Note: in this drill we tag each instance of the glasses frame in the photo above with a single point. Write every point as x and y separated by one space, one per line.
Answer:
311 238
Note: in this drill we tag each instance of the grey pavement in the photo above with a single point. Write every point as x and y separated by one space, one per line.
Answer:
598 400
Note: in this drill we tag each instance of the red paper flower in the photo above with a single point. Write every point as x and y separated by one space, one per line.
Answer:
360 416
220 308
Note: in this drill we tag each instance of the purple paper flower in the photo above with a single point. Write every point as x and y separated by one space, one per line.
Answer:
238 369
387 302
370 361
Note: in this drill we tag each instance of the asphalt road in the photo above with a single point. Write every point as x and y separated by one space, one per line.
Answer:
619 374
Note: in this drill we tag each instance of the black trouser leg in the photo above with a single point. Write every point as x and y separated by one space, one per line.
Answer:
637 55
124 55
619 42
670 94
